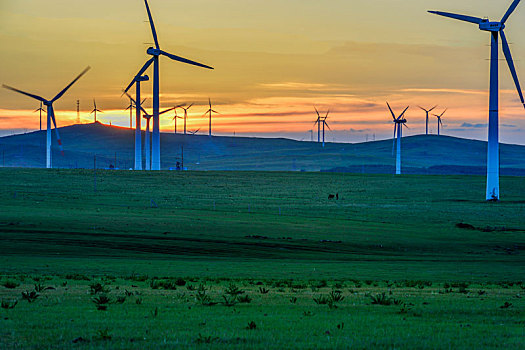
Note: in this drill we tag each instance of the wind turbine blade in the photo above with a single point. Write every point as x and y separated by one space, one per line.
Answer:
214 111
431 109
184 60
132 100
152 25
509 11
56 131
70 84
167 110
141 71
189 106
391 112
316 111
510 62
328 126
423 109
464 18
41 99
403 113
327 112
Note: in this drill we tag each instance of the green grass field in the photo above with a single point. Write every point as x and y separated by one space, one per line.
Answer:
450 264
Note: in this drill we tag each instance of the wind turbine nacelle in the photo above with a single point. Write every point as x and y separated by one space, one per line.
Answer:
491 26
153 51
142 78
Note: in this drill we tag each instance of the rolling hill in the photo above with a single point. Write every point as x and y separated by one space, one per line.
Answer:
421 154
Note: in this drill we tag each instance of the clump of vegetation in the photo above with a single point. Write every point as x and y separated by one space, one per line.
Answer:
233 290
506 305
97 287
206 339
137 278
251 325
9 304
30 296
246 299
263 290
120 299
10 284
104 334
203 298
321 300
180 282
293 300
336 295
381 299
230 300
164 284
138 301
41 288
101 302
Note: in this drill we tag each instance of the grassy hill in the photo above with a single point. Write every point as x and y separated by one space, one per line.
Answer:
421 154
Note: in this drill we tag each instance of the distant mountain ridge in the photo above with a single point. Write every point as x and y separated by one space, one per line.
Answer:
112 145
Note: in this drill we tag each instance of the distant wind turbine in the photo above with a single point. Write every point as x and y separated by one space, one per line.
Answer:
495 29
438 116
156 53
194 132
426 121
40 110
50 114
318 122
95 110
176 116
186 115
398 122
210 111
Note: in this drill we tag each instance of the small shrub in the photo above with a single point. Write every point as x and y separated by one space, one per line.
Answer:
30 296
206 339
103 334
121 299
41 288
381 299
293 300
233 290
101 302
336 295
138 301
481 292
97 287
251 325
180 282
263 290
9 304
244 299
321 300
229 301
10 284
506 305
77 277
128 293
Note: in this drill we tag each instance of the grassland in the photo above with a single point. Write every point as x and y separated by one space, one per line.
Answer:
448 285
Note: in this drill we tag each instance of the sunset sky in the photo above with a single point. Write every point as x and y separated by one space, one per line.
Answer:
274 61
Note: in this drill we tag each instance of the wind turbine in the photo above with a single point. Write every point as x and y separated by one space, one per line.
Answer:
194 132
495 29
323 120
186 115
318 122
50 114
176 116
439 119
156 52
210 110
137 79
95 110
426 121
397 127
40 110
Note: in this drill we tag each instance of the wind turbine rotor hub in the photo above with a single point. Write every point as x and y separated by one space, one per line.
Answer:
142 78
153 51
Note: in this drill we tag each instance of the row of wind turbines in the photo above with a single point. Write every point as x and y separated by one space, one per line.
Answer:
496 30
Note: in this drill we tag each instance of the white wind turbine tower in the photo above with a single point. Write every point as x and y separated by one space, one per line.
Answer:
426 121
137 79
438 116
398 122
50 114
95 110
495 29
156 52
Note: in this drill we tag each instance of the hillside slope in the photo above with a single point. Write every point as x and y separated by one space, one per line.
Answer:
421 154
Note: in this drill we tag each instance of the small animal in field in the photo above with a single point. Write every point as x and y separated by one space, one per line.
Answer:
331 196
